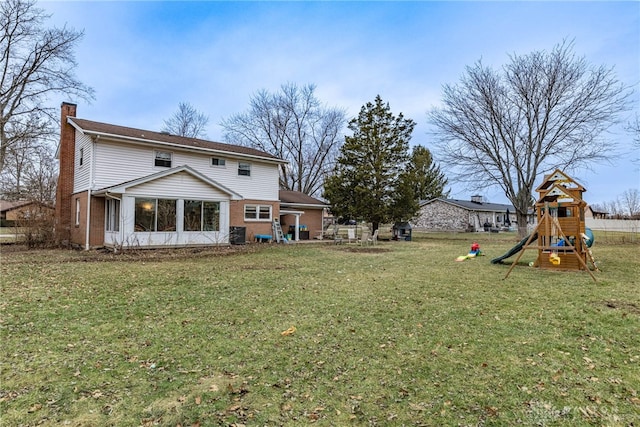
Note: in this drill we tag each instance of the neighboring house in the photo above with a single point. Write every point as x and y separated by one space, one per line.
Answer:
589 212
301 215
462 215
123 187
10 212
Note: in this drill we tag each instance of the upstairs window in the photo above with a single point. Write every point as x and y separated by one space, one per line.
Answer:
216 161
163 159
81 160
244 169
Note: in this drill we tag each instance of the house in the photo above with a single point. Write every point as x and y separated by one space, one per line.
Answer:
591 213
10 212
462 215
121 187
301 215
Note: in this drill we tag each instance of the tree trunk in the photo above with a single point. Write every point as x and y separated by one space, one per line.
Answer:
522 224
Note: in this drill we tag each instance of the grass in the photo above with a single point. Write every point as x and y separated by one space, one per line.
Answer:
399 334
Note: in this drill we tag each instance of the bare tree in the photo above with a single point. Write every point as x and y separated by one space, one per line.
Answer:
29 172
293 125
630 202
36 62
187 121
633 127
614 209
546 110
41 179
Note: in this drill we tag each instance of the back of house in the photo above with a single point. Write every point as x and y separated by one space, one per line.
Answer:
122 187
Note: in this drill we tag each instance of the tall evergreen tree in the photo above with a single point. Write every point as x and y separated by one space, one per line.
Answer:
369 180
427 180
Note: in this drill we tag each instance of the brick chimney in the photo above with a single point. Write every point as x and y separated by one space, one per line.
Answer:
66 167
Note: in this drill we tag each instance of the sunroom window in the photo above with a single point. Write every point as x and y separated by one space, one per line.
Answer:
201 215
155 214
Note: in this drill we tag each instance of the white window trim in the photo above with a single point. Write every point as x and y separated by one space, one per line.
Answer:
155 154
258 219
250 168
223 166
77 212
81 157
112 216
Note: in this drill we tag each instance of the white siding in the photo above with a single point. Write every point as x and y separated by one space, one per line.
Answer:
81 174
179 185
117 163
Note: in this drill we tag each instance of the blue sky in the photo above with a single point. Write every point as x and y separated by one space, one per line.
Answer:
144 57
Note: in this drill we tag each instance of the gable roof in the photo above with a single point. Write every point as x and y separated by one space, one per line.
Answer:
297 198
106 130
122 187
473 206
7 206
561 178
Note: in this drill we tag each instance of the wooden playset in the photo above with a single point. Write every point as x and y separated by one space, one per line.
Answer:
563 241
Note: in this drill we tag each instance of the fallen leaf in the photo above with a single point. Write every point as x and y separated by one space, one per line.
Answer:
198 400
35 407
289 331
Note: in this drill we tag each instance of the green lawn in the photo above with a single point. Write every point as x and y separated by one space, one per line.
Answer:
398 334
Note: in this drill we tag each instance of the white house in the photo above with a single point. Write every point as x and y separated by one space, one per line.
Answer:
123 187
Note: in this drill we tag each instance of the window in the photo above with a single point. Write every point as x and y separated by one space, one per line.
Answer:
201 216
257 212
215 161
113 215
155 214
81 160
244 169
77 211
163 159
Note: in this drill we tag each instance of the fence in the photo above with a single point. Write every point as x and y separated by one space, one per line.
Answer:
615 230
627 226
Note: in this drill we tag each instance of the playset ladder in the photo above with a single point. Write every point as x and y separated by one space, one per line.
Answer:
277 232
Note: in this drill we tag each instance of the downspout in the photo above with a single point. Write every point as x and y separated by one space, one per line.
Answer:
91 163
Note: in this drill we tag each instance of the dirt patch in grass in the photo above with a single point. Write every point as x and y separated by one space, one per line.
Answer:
622 305
20 254
362 250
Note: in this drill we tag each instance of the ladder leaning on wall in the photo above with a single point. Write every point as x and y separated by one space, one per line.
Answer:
277 232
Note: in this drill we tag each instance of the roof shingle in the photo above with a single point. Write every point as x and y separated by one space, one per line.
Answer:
105 129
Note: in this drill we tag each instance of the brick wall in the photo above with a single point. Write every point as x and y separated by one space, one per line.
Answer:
77 235
441 216
96 236
236 217
312 218
64 204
